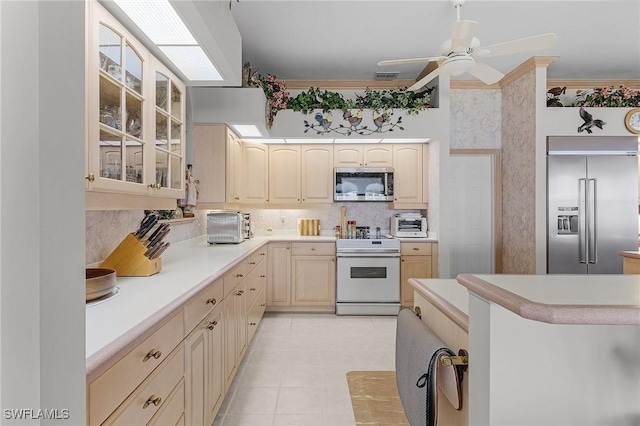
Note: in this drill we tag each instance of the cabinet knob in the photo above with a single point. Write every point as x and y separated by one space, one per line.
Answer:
313 249
239 275
212 324
263 276
153 353
155 186
236 198
262 254
416 248
155 400
252 289
252 323
252 263
91 177
263 304
212 301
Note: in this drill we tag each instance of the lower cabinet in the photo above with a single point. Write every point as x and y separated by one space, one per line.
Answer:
418 260
235 331
180 374
301 276
204 379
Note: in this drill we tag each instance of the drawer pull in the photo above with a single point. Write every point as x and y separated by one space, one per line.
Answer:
263 304
313 249
252 289
152 354
263 276
416 248
240 293
252 263
252 323
239 275
212 324
155 400
262 254
212 301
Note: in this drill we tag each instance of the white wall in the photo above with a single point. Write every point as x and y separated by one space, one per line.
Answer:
42 362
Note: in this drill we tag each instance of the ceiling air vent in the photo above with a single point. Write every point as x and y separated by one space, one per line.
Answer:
386 75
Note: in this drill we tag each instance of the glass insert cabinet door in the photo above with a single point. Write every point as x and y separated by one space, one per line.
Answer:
136 115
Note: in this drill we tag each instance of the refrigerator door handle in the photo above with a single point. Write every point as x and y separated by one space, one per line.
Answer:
583 218
592 238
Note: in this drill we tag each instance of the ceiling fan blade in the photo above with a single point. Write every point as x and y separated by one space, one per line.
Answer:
462 33
485 73
424 80
542 41
409 61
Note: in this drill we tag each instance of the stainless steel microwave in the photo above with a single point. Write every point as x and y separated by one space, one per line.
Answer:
363 184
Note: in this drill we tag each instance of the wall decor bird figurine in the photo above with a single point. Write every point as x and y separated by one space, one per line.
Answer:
589 122
324 121
553 96
353 121
379 119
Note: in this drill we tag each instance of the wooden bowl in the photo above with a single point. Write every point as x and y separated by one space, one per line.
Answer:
100 282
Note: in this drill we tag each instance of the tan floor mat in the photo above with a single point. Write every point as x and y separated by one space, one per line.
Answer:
375 399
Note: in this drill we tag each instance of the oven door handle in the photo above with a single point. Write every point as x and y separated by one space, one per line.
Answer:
368 254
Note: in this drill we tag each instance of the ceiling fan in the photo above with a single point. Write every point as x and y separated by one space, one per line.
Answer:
462 52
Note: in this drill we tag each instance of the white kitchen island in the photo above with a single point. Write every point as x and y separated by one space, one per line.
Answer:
547 349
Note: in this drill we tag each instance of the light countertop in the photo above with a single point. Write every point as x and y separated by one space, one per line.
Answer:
630 254
447 295
562 299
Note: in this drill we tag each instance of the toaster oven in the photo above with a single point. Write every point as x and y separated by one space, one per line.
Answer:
408 226
225 227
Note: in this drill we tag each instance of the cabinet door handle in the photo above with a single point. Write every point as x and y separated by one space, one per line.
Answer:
212 301
263 304
153 353
155 400
252 289
262 254
252 263
239 275
212 324
313 249
252 323
263 276
416 248
91 177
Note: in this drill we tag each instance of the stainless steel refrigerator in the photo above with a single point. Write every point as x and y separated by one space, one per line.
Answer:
592 200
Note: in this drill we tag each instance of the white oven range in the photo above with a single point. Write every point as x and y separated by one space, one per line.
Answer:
368 276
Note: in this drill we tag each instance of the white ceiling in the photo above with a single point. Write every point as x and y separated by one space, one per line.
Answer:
343 40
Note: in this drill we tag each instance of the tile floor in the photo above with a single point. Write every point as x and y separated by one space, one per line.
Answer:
294 371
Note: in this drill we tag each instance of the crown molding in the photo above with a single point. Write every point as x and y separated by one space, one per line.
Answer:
589 84
527 66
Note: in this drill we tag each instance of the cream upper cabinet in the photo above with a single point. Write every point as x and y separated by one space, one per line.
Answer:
217 163
408 174
284 174
136 116
255 162
317 174
347 156
378 155
234 168
364 155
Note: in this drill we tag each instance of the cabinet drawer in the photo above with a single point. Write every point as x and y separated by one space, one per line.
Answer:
313 249
108 391
152 393
256 258
233 277
201 304
257 281
171 410
415 249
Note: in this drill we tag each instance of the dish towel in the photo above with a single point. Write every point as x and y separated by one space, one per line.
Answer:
418 353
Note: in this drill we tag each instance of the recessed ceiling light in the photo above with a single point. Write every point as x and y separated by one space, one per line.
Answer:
310 140
247 130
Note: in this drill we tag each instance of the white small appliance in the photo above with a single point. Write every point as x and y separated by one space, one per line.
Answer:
408 225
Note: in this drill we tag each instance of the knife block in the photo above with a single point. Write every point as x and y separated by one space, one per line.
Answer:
128 259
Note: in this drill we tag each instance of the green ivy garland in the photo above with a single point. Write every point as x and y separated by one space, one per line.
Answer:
326 100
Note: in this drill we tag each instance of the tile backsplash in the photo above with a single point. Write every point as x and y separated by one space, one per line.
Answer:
106 228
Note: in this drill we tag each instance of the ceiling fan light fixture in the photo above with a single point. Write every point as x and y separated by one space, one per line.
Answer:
458 65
